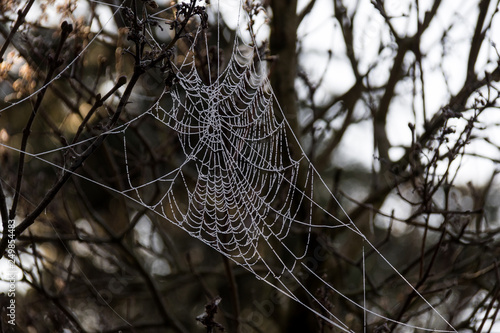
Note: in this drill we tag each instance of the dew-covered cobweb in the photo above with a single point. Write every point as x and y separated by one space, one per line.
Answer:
244 186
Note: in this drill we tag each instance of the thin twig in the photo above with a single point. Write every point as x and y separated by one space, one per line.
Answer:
21 15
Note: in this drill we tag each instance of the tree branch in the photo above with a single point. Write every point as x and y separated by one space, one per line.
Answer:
54 63
21 15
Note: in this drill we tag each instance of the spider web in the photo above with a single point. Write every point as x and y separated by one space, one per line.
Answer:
244 186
